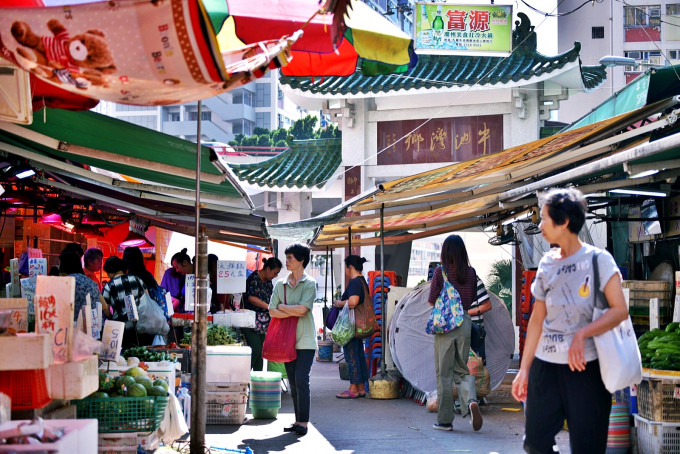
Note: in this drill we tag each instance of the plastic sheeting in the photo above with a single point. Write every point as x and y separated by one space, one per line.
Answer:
413 349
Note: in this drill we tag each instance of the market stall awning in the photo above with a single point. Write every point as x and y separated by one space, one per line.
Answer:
306 165
486 190
82 155
653 85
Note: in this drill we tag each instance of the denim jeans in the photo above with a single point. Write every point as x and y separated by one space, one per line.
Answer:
298 372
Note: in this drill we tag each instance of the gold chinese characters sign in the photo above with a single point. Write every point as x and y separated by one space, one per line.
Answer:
439 140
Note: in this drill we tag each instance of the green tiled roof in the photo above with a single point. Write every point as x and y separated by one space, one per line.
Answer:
306 164
440 71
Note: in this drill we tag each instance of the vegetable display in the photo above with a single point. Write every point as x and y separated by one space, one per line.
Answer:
145 354
216 335
660 349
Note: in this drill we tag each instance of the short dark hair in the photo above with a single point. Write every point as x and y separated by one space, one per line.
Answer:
272 263
114 265
566 204
301 252
75 247
355 261
69 262
92 254
181 257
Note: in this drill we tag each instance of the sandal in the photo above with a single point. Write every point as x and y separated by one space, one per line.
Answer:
347 395
361 395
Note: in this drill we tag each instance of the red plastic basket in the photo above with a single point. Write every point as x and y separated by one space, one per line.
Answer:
26 388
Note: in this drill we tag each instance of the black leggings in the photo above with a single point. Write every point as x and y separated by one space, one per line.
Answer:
298 372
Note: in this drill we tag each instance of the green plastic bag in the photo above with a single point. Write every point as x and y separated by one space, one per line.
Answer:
343 331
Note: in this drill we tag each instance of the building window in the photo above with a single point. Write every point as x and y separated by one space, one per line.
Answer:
146 121
173 116
263 120
206 115
674 54
247 98
127 108
237 97
263 95
643 15
598 32
643 56
673 9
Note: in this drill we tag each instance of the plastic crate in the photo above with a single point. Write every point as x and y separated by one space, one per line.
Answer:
657 437
26 388
124 414
225 407
657 400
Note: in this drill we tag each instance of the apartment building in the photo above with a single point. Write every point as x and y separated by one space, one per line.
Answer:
648 31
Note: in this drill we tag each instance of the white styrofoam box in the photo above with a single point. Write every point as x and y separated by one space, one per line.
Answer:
73 380
227 387
244 318
26 351
80 437
127 442
5 408
227 364
163 370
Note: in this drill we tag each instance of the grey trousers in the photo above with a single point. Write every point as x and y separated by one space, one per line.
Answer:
451 352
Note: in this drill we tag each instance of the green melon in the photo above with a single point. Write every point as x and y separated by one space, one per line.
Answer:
157 390
99 395
161 382
135 372
146 382
106 381
125 383
136 390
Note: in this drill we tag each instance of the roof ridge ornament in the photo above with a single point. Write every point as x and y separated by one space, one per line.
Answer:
524 36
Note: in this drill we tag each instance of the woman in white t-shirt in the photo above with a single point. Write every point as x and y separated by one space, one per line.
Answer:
559 377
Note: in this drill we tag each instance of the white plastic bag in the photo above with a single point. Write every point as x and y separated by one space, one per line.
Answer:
617 349
173 425
343 330
151 317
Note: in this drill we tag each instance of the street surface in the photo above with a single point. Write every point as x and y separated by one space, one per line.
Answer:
375 426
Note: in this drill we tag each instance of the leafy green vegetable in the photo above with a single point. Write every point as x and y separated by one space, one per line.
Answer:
216 335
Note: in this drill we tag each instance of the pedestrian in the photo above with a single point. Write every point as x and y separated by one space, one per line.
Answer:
452 349
294 297
354 350
259 289
559 377
173 279
69 265
116 289
93 261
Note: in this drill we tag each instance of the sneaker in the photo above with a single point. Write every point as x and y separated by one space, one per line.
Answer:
446 427
476 416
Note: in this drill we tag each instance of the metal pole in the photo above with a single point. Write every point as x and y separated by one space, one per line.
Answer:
383 308
349 240
199 327
325 296
332 283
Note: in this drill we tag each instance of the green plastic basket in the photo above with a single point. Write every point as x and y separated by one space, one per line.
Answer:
124 414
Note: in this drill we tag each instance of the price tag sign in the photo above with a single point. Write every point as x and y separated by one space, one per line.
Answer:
14 271
28 292
189 292
19 307
112 340
96 320
168 304
131 308
37 267
231 276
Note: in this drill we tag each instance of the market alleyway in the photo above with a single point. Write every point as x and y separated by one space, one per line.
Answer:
375 426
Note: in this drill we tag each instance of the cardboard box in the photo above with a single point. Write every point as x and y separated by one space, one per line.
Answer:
73 380
26 351
227 364
80 437
127 442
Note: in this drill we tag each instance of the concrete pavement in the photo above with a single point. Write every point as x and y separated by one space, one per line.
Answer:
375 426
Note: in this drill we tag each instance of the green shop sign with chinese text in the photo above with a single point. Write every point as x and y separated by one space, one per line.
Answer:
445 28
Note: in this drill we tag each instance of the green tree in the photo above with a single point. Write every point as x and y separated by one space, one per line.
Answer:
281 143
499 281
249 141
303 128
330 132
278 135
257 131
264 140
237 140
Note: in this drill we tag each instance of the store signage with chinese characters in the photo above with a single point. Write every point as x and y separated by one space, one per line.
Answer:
446 28
439 140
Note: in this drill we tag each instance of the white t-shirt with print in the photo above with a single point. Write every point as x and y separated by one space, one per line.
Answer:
566 287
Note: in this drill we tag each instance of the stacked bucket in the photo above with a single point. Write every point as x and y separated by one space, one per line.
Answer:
265 394
374 343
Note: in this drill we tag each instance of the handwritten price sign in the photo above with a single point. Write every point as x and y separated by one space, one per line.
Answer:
37 267
112 340
231 276
19 308
189 292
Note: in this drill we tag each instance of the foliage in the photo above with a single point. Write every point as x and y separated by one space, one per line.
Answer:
302 129
331 132
216 335
499 281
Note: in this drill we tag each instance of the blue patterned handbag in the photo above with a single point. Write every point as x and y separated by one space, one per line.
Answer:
447 313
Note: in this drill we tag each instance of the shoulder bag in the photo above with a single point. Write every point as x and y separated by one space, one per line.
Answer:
279 341
447 313
617 349
365 322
